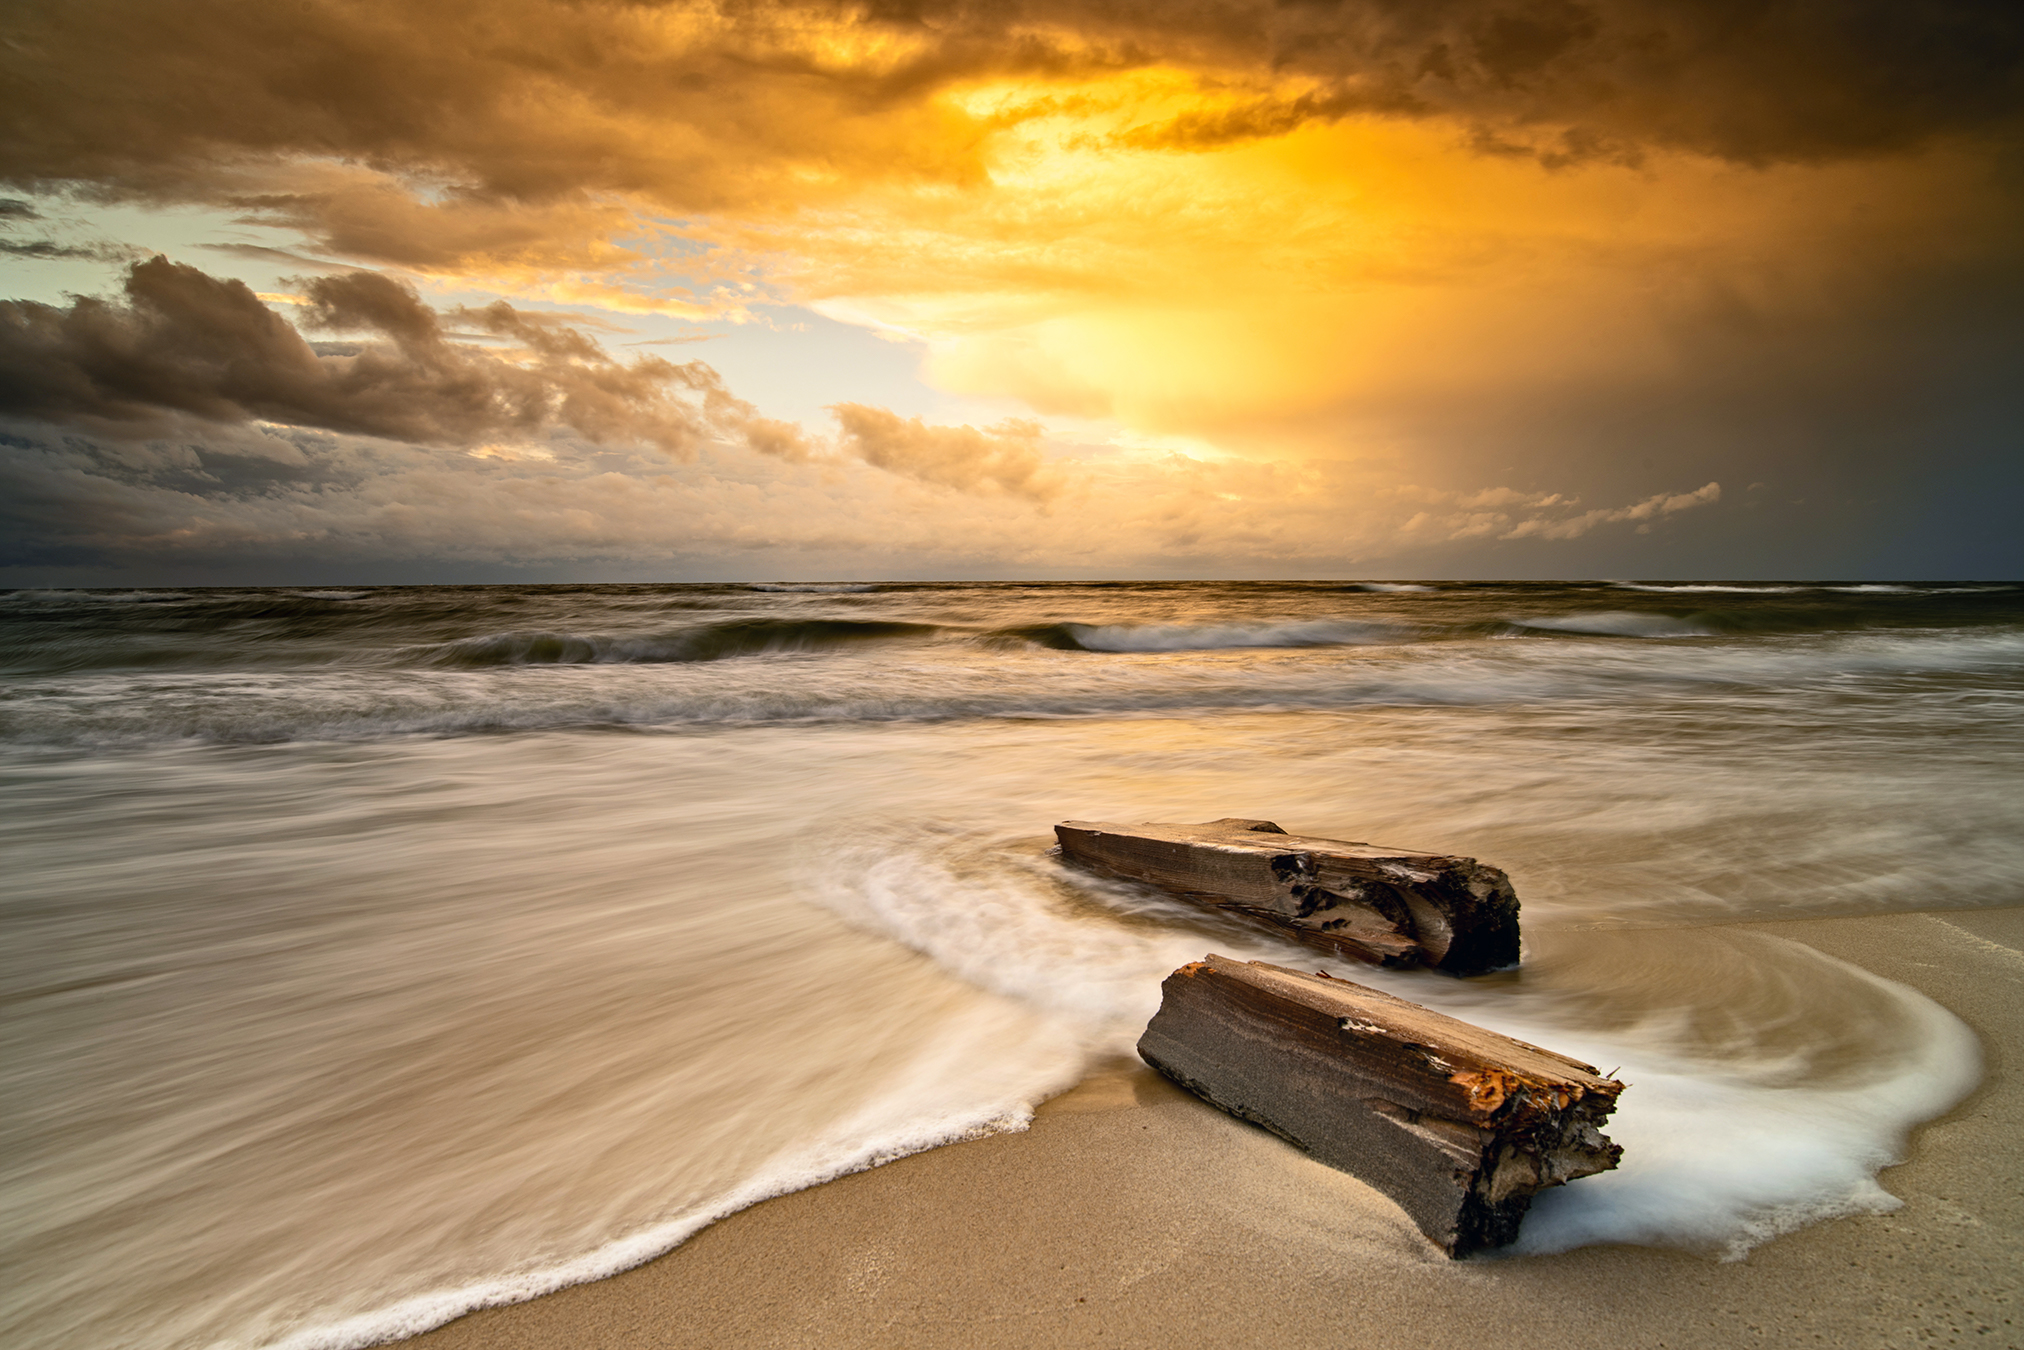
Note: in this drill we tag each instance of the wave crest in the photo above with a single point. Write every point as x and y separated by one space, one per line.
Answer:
1124 638
1707 587
1615 623
711 642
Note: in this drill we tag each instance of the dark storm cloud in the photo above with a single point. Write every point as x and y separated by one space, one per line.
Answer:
1562 80
524 110
189 344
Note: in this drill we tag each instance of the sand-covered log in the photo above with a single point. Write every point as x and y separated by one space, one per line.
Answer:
1460 1125
1395 907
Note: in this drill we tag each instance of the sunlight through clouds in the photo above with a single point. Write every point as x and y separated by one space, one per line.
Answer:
1605 251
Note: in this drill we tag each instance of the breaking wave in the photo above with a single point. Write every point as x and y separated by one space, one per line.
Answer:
1207 637
450 627
812 587
1708 587
710 642
536 681
1615 623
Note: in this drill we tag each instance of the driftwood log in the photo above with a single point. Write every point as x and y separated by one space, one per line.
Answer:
1390 906
1459 1125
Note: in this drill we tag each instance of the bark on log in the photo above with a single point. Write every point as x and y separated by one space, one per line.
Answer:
1390 906
1460 1125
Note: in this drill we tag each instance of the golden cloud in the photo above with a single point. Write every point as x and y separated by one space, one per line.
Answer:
1426 243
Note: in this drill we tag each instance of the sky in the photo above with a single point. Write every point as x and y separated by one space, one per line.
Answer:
553 290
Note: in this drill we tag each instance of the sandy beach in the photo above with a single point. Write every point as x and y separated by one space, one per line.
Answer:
1132 1214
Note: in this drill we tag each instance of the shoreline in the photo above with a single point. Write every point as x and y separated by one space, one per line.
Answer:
1131 1213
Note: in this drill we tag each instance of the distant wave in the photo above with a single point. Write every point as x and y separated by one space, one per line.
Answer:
1615 623
1389 587
710 642
1710 586
1864 588
1881 588
73 595
1205 637
813 587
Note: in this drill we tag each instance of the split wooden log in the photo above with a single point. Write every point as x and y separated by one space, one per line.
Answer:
1460 1125
1391 906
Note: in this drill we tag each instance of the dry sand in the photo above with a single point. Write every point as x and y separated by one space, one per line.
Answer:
1133 1215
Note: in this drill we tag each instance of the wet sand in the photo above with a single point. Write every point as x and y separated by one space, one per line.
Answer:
1131 1214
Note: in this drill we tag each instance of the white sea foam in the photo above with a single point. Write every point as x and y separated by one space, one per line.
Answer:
1614 623
971 1079
1709 587
1392 587
1718 1156
1004 935
812 587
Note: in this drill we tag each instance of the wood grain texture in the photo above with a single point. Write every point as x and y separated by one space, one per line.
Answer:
1460 1125
1389 906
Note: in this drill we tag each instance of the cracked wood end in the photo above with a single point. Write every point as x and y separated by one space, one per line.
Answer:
1393 907
1460 1125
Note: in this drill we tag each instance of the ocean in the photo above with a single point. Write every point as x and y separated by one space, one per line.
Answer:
374 954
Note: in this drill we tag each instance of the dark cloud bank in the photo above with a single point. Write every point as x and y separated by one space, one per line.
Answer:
536 97
184 423
186 344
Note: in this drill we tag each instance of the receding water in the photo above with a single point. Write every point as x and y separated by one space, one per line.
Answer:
371 954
